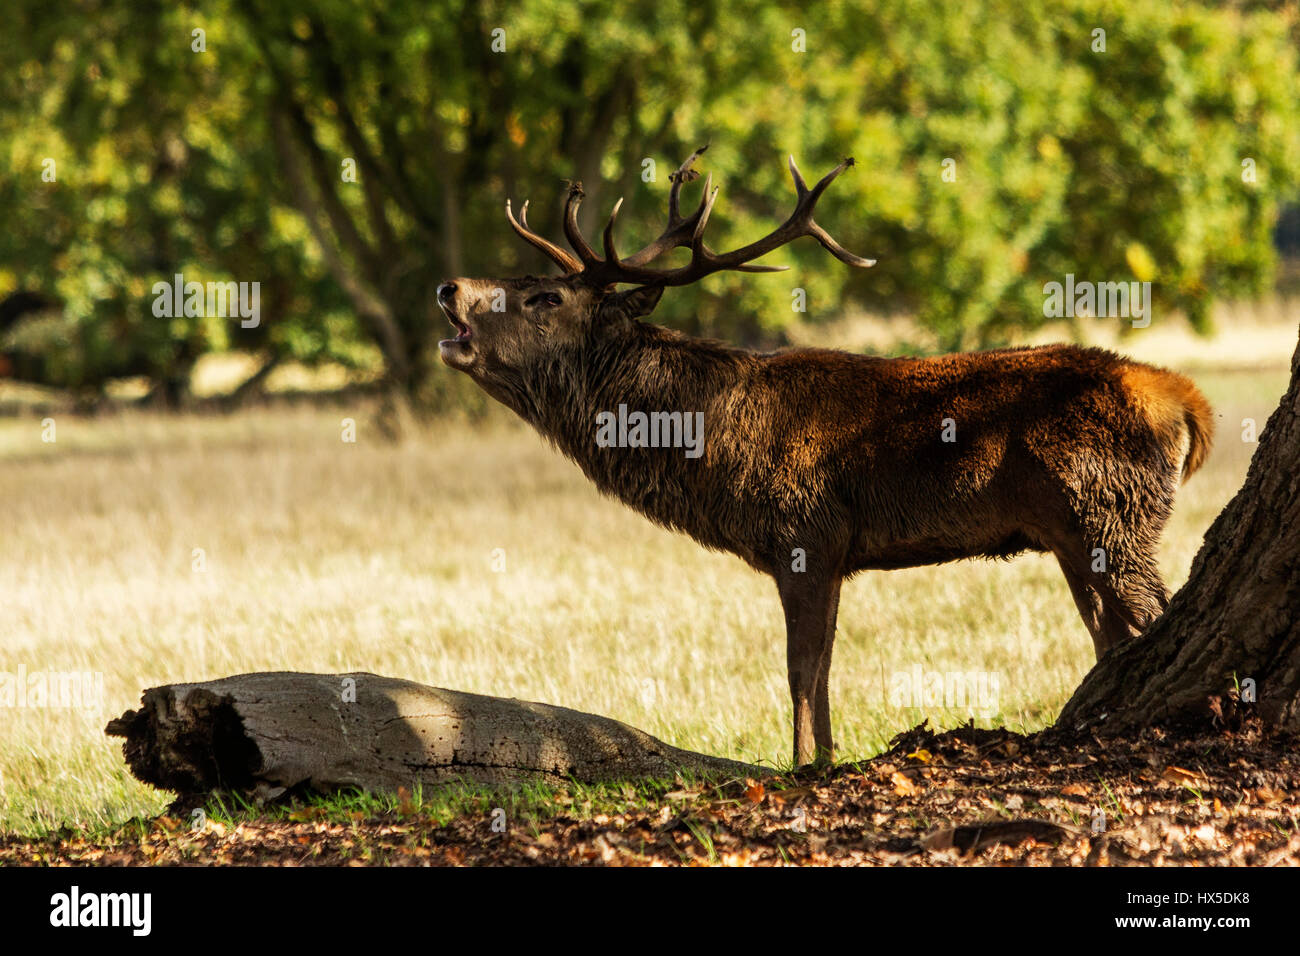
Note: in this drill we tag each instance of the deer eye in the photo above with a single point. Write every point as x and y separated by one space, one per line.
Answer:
544 298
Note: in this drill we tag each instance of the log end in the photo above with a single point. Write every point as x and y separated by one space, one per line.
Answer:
194 744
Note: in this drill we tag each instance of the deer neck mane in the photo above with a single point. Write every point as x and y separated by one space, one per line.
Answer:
650 370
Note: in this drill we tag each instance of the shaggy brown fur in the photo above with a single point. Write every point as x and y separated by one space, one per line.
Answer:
818 464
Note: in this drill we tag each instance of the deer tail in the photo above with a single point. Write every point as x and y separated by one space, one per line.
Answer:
1199 420
1176 410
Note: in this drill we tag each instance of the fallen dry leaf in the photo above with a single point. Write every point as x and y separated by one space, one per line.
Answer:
792 794
1182 775
1205 833
405 806
903 785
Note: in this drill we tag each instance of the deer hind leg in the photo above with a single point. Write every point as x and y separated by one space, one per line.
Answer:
808 599
1088 602
1133 594
1116 584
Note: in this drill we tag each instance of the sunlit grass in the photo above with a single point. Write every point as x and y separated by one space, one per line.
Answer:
327 556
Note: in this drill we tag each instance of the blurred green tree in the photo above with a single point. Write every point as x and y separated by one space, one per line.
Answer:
350 154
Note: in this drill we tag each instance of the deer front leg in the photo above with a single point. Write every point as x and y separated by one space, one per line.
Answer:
810 600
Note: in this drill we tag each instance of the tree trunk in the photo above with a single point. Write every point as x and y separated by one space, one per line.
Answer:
271 732
1237 618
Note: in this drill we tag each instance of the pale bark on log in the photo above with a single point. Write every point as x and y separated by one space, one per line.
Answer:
267 731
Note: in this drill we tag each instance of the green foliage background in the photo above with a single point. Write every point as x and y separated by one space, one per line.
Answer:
224 164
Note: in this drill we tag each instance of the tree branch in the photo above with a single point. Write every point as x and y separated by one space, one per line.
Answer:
373 311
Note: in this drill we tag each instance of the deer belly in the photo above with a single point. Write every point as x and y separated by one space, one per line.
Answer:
920 551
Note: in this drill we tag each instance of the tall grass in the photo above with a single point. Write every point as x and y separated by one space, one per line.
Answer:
322 555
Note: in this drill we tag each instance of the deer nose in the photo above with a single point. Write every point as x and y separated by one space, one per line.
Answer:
446 292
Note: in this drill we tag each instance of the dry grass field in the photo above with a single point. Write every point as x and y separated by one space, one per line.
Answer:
475 557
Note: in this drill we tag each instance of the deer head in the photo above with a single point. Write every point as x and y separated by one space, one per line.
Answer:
507 326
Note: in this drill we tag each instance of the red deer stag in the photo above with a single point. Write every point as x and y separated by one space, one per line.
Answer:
817 464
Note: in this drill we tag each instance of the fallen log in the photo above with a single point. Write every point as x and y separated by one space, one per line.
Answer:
272 732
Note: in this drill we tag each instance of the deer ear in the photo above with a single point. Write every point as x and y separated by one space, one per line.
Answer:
634 303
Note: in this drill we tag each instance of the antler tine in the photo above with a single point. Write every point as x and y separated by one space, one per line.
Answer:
674 198
682 174
800 187
571 230
829 177
752 268
835 249
701 217
565 260
611 254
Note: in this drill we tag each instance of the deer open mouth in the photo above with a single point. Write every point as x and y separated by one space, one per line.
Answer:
463 332
458 352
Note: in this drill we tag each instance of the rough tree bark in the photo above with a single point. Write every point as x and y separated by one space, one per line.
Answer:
269 732
1237 617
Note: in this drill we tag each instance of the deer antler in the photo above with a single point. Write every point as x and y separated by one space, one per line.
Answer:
687 231
557 255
